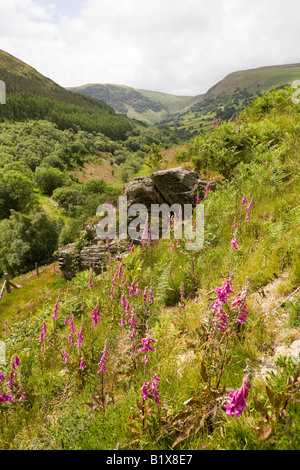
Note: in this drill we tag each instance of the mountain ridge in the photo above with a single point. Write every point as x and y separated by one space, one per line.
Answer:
163 106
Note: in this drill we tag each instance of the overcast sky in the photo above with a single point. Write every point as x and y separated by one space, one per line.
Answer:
181 47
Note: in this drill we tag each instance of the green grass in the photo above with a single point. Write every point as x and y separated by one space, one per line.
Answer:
50 207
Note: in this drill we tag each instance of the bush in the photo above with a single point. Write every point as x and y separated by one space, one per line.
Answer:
48 179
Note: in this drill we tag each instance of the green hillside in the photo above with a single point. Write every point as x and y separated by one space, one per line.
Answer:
260 79
174 350
194 113
30 95
148 106
227 97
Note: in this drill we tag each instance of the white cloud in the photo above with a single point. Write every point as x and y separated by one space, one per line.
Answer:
174 46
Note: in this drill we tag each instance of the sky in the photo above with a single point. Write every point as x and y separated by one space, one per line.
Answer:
181 47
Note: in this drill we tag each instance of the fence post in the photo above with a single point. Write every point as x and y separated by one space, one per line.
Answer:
37 269
2 290
7 283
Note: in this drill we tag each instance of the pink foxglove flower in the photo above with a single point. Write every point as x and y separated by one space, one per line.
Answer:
248 211
80 337
16 362
234 223
223 291
145 390
131 288
70 339
220 317
131 322
244 200
82 365
207 190
151 297
234 244
4 397
154 388
65 355
240 305
55 311
102 361
44 330
137 290
145 295
146 342
237 399
71 324
95 315
145 231
127 309
250 205
120 270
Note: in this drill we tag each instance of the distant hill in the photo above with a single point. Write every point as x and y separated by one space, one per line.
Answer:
229 95
261 79
20 77
148 106
31 95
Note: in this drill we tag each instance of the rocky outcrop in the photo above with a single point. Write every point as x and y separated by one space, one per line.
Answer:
176 185
93 256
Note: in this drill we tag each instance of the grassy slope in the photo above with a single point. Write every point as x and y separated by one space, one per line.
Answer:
253 80
21 77
269 244
259 79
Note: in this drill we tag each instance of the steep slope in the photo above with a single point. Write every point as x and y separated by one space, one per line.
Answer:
256 80
20 77
30 95
227 97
